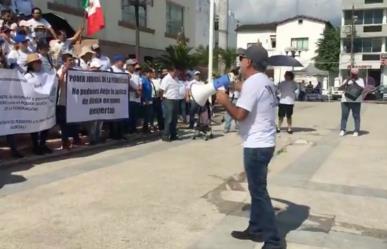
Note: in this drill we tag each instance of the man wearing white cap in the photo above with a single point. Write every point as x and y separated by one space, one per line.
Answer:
351 101
85 58
194 107
103 60
255 111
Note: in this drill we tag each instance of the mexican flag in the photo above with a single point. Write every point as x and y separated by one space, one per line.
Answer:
94 14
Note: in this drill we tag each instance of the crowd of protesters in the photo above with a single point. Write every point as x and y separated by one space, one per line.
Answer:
28 43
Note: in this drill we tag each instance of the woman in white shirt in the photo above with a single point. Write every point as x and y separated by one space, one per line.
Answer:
34 69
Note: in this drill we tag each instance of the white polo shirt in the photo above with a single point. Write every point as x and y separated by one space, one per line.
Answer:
171 87
19 57
287 90
258 97
135 82
32 23
104 61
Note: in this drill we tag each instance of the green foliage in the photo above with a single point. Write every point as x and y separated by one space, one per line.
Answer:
228 57
179 56
329 50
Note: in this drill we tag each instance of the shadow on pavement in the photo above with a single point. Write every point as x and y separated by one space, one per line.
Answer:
303 129
291 218
7 177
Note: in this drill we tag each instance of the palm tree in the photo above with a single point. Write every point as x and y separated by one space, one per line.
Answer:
179 56
228 57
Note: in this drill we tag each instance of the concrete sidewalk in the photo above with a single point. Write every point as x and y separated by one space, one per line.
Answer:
329 192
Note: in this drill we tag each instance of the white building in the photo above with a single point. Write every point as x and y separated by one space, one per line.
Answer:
299 33
370 32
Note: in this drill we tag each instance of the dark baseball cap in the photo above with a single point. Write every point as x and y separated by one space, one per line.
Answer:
255 53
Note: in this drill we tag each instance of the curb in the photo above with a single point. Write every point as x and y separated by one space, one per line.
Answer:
62 154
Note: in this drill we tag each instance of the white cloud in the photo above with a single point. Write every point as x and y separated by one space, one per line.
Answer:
254 11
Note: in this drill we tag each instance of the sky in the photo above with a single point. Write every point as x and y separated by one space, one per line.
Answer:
257 11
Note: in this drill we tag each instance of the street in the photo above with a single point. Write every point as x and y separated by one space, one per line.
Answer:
329 191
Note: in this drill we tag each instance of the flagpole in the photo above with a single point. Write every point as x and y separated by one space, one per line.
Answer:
211 40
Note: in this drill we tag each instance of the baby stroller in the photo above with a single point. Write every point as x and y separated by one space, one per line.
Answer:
203 127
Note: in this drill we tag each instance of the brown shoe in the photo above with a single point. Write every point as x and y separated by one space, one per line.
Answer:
66 145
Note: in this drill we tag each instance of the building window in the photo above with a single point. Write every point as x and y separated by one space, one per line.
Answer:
129 13
364 17
175 18
300 43
363 45
373 1
273 40
71 3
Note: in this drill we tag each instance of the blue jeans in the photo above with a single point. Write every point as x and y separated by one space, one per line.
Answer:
148 117
262 216
228 120
170 110
134 111
346 107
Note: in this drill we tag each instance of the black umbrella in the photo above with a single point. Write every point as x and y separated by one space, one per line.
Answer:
284 61
59 23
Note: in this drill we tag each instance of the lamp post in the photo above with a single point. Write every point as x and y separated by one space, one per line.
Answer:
293 52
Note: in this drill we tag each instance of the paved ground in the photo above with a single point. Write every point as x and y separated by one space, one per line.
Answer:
329 192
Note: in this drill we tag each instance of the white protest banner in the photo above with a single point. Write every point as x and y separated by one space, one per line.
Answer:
27 104
96 96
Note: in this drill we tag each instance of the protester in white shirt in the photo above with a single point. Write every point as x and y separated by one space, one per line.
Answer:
67 129
103 60
37 21
287 92
348 105
194 108
135 86
157 108
34 70
255 111
117 127
63 45
85 57
6 18
5 35
17 58
22 7
169 89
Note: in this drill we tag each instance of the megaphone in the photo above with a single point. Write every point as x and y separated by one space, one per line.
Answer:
200 93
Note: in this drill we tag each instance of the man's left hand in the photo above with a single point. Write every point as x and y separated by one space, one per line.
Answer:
222 98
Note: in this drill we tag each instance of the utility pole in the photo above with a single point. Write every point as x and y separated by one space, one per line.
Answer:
137 6
352 36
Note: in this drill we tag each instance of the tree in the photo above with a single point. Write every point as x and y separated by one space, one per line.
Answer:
329 50
180 56
228 57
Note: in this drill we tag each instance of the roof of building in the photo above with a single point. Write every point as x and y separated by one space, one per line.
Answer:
273 25
259 26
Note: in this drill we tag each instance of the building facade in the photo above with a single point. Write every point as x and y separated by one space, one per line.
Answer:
299 34
369 19
160 23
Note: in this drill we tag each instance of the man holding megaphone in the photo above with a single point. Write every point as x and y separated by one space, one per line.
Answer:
255 111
